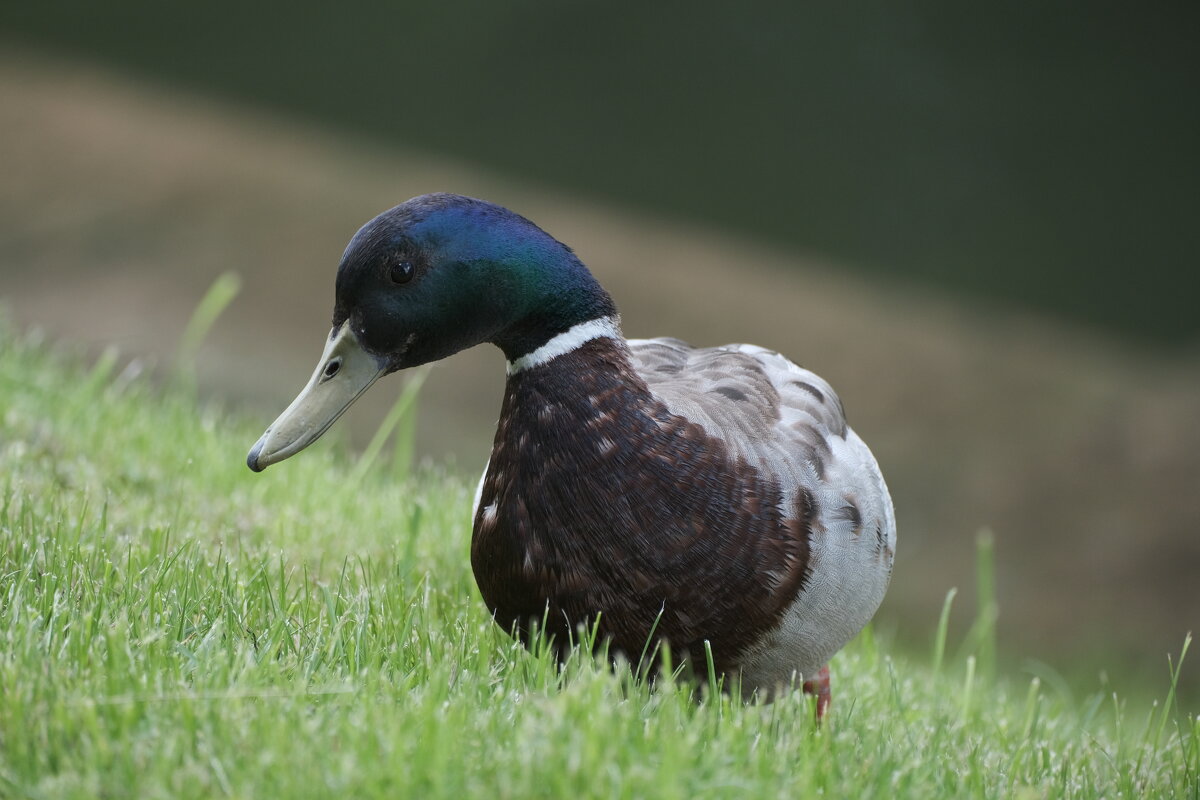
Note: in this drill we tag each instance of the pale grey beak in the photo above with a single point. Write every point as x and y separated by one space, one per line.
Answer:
344 372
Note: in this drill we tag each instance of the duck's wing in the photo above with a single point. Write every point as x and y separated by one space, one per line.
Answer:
767 410
764 407
789 423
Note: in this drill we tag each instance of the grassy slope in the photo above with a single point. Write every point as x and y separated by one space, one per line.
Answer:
122 203
173 626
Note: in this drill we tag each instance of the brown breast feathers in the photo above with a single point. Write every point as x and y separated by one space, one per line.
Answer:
599 501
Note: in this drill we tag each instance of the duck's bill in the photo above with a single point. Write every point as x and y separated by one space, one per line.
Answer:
344 372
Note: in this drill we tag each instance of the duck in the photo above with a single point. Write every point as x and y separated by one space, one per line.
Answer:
710 500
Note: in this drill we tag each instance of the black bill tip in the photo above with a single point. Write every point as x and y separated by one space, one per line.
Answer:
252 458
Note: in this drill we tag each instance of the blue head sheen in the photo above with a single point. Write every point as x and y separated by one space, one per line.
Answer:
470 272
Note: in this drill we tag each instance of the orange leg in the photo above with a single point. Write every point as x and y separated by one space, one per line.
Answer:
819 687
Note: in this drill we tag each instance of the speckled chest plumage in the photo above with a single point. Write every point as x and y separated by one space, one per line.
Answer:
600 502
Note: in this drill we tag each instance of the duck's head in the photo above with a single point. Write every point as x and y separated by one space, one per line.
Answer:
435 275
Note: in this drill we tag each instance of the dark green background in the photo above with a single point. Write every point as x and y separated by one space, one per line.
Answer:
1030 153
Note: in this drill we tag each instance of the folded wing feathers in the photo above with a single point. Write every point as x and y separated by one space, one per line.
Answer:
780 418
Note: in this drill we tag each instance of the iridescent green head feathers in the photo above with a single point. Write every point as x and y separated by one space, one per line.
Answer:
422 281
443 272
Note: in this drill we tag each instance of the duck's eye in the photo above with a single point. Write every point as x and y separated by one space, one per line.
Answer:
402 272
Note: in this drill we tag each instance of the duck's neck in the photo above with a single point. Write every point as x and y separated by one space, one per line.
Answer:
543 299
568 341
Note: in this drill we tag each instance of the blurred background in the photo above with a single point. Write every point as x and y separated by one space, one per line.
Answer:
980 223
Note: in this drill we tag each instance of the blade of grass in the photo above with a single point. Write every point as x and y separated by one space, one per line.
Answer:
218 297
939 639
404 403
980 640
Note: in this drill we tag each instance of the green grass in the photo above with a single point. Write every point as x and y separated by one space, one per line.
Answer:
173 626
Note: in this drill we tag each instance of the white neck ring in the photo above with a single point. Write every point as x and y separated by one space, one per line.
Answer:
567 341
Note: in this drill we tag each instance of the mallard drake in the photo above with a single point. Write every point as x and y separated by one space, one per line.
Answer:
712 498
